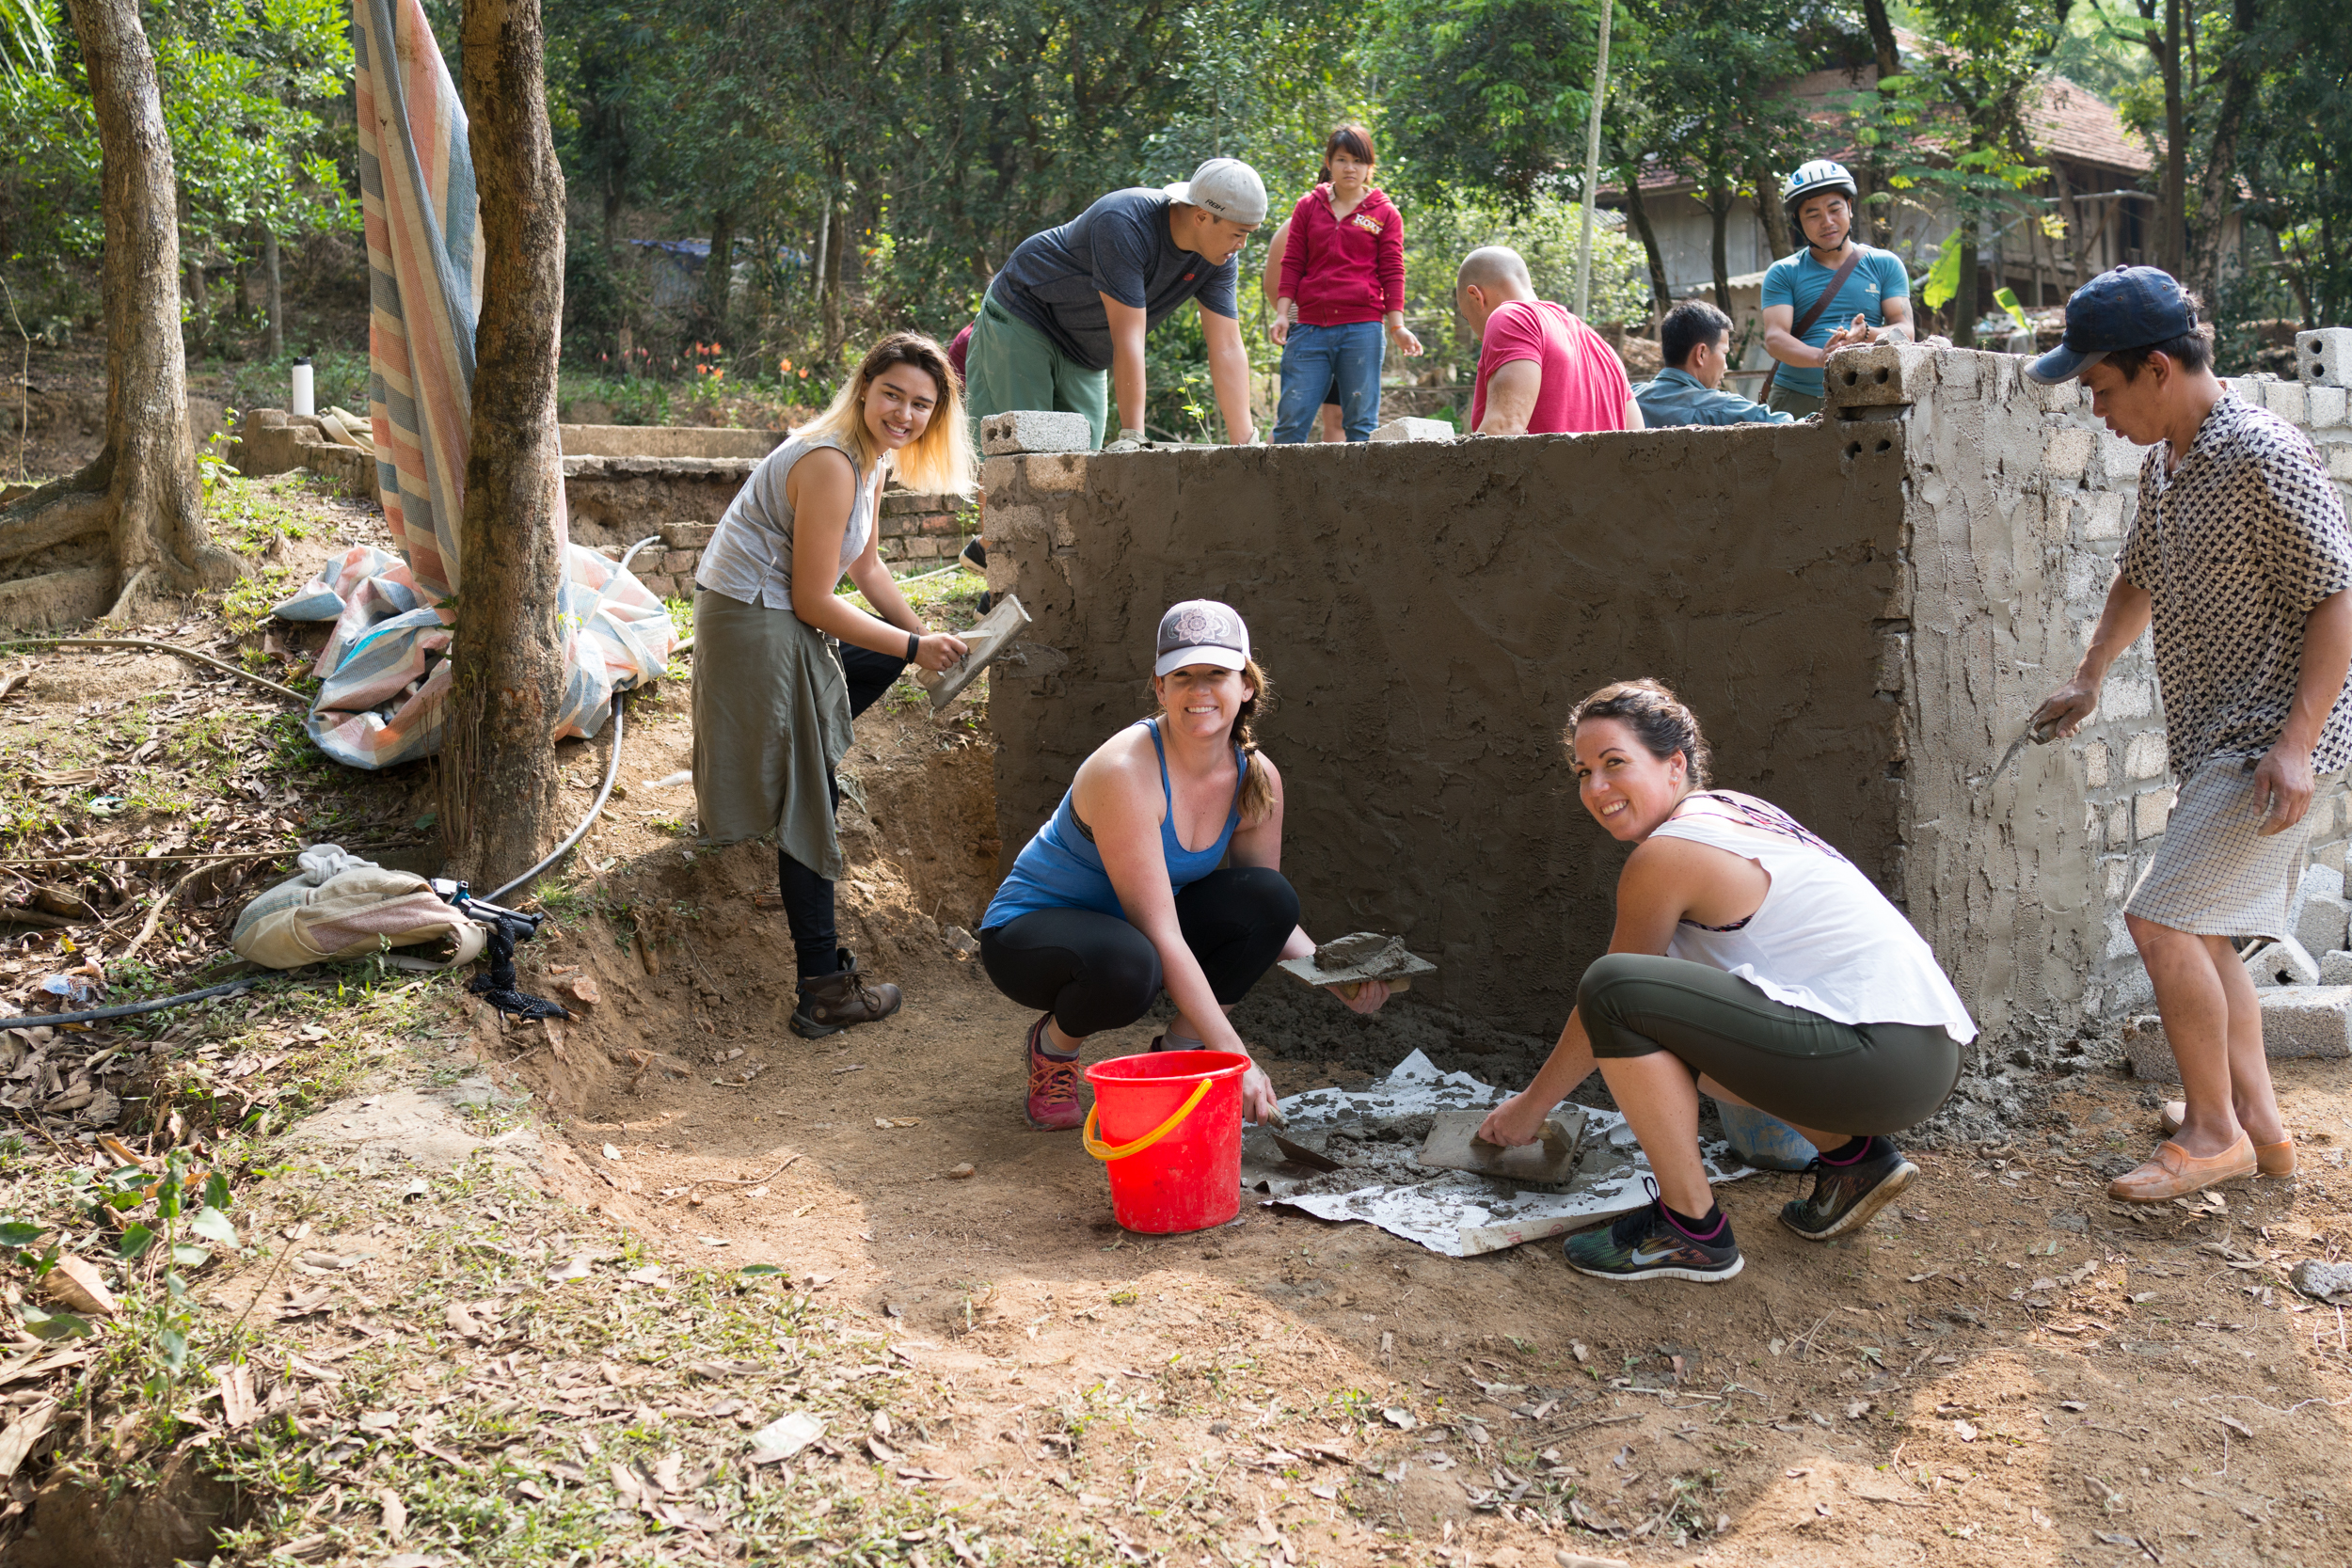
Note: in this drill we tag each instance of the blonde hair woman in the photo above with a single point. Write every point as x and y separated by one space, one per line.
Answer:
1124 890
773 695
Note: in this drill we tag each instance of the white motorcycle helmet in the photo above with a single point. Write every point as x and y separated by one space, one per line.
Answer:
1821 174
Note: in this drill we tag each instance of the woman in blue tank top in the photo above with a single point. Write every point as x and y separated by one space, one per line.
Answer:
1110 903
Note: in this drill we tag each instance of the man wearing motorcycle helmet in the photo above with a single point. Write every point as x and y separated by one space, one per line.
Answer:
1835 292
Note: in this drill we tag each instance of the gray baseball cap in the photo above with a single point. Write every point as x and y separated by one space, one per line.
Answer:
1227 187
1201 631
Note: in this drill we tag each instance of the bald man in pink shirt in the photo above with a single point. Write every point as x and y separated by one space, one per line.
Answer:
1541 371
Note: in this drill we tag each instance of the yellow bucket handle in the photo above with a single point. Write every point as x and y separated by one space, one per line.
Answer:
1102 1151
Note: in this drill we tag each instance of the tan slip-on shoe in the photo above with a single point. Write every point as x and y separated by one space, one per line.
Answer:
2269 1159
2173 1171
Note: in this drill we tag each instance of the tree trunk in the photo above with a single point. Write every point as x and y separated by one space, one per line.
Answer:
1770 212
1661 295
838 225
1965 307
2217 187
1719 211
718 274
2175 147
497 780
274 293
1889 58
140 491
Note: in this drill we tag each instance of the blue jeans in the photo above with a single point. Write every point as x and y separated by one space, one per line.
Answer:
1330 364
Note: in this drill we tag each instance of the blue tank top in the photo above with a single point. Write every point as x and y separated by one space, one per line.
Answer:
1061 869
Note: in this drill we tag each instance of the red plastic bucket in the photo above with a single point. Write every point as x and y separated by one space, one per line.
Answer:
1171 1137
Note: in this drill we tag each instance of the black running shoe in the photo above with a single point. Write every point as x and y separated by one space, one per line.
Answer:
974 554
1646 1245
1847 1197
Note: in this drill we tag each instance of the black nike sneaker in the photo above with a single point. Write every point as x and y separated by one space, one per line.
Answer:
1847 1197
1649 1244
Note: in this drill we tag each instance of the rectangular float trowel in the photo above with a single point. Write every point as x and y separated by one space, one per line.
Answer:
991 636
1453 1144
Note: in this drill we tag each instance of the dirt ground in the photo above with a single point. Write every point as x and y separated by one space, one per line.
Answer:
2010 1369
53 409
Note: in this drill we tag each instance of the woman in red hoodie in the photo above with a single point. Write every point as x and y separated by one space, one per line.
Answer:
1342 277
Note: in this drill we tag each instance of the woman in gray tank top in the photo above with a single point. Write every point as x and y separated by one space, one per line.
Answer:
774 694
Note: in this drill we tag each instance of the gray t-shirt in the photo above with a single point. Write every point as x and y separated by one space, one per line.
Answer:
749 557
1120 246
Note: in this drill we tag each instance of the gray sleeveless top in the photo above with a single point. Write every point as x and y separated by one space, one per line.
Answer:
750 557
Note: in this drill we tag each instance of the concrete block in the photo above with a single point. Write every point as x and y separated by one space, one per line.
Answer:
2340 461
2102 515
2324 357
1015 522
2285 399
2126 699
675 562
2149 813
2331 854
2320 925
2328 405
1055 471
2148 1052
688 536
2119 459
2307 1020
1410 429
2316 879
2283 962
1878 375
2095 764
2335 968
998 473
2144 756
2068 454
1034 430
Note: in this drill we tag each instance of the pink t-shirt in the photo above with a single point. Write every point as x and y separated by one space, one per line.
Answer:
1585 384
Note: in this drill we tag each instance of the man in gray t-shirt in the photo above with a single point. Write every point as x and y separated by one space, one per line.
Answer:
1062 327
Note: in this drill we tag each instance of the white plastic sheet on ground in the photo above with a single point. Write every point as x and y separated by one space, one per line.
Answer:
1460 1215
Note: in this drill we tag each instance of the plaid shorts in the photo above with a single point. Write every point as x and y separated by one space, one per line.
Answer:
2215 875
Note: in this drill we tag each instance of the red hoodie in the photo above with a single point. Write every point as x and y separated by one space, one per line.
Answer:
1340 271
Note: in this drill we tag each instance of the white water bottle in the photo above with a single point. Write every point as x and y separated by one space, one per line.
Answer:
303 401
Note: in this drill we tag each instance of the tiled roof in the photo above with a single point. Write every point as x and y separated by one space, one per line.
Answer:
2067 120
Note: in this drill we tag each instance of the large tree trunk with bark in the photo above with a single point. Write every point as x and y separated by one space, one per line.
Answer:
1772 214
498 788
1888 55
1661 295
132 524
719 274
2216 188
1719 215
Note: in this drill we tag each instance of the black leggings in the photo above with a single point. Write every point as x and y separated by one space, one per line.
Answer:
1796 1065
1095 971
807 897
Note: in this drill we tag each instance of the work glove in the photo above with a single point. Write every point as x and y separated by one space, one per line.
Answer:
1129 440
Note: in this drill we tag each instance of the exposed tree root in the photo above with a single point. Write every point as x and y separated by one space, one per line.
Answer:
56 514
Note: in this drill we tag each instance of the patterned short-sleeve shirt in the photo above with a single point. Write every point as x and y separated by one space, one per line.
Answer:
2234 547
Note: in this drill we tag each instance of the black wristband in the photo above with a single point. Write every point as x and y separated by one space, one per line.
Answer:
915 645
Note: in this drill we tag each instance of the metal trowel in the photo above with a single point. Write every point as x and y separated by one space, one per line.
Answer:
984 642
1453 1144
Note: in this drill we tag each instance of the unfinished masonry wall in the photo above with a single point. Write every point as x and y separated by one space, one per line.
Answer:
1863 611
1429 612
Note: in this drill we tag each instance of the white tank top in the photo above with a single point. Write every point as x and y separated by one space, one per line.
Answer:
1824 939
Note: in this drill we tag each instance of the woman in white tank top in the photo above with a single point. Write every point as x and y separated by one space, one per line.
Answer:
1751 962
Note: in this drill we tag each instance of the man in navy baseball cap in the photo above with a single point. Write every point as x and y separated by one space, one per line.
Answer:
2127 307
2239 560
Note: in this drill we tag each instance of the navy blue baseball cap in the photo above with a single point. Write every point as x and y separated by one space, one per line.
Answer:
2127 307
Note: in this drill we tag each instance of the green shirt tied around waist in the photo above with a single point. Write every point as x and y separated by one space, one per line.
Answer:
1798 280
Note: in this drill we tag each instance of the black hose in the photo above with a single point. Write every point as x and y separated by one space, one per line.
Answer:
130 1009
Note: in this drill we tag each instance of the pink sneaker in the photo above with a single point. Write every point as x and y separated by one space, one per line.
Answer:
1053 1104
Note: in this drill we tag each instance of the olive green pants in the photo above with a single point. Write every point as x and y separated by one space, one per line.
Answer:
1796 404
1010 365
1851 1078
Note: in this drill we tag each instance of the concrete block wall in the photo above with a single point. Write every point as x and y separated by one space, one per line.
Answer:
1865 610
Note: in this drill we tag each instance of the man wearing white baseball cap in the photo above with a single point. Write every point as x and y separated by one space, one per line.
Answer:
1160 870
1063 324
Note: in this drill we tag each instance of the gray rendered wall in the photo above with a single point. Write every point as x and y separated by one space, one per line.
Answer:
1429 612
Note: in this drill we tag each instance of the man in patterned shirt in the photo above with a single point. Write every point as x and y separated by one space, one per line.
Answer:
2240 558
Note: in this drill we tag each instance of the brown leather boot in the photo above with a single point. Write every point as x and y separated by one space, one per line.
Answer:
830 1005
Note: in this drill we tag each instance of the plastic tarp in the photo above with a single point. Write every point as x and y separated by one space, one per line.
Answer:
385 669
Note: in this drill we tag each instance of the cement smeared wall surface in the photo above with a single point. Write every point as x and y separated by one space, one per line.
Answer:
1865 610
1429 614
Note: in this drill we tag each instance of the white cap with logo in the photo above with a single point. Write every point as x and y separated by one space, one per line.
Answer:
1226 187
1201 631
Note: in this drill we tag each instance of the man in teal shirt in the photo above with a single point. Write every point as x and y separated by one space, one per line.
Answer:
1873 305
1695 340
